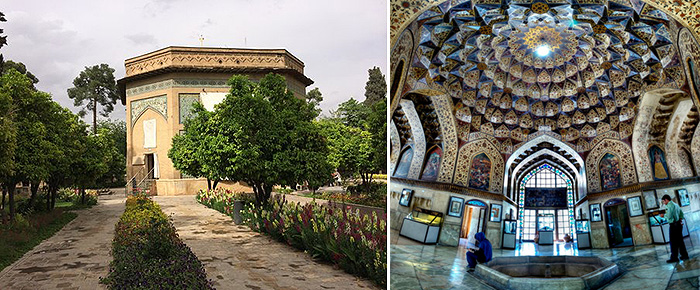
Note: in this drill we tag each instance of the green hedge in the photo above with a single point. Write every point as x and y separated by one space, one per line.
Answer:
148 254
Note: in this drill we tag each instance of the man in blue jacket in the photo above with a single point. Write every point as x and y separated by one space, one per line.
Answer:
483 253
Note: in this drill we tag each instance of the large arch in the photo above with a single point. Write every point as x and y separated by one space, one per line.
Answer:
443 107
418 138
581 181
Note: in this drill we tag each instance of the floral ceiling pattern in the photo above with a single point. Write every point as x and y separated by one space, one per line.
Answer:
516 67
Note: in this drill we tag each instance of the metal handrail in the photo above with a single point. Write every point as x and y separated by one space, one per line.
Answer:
133 178
145 177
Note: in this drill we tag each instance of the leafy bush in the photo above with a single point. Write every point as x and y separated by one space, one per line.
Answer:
375 200
222 199
73 195
148 254
355 242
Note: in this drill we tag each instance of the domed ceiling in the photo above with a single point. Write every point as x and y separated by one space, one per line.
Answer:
515 67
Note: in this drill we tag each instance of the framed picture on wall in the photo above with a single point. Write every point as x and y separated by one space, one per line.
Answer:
683 197
596 214
406 196
455 207
635 206
650 200
496 210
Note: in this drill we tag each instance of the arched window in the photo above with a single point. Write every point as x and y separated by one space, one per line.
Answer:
431 168
609 171
659 169
480 172
404 163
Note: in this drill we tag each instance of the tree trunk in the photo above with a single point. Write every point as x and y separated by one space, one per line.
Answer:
4 193
216 182
11 190
94 116
82 195
33 188
54 191
208 184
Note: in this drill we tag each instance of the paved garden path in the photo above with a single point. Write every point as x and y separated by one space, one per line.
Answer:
237 258
75 257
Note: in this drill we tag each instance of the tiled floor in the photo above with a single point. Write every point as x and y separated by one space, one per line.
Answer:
417 266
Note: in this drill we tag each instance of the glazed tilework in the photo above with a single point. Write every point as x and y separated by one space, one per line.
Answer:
418 139
618 148
185 104
675 166
395 146
685 169
181 83
158 104
690 50
467 154
443 106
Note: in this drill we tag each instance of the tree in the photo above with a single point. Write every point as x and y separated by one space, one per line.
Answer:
314 98
267 135
30 114
194 151
375 89
91 162
352 113
350 149
19 67
115 132
95 86
66 131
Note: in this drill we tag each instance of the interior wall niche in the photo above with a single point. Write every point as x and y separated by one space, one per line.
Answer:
619 149
659 167
431 168
404 164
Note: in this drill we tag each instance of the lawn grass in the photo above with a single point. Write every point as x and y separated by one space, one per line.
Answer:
16 242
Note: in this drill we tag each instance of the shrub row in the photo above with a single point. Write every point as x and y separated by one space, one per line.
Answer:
356 243
222 199
148 254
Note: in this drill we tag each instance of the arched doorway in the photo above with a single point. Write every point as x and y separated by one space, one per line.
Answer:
617 223
473 220
545 203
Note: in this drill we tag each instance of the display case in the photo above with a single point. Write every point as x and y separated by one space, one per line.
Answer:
509 227
583 234
659 227
422 225
545 229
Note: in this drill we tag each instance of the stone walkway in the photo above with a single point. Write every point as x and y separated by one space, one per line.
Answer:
237 258
75 257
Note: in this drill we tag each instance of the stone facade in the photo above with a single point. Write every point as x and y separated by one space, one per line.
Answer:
160 88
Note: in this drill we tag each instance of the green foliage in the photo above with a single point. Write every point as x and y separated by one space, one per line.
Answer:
223 200
358 195
115 147
194 152
148 254
354 242
19 67
314 98
375 89
352 113
24 234
8 132
260 134
95 86
350 148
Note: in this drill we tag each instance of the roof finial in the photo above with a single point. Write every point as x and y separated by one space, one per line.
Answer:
201 40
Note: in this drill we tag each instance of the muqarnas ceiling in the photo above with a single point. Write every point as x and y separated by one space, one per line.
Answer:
595 60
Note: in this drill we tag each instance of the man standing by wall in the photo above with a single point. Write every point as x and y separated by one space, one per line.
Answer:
674 214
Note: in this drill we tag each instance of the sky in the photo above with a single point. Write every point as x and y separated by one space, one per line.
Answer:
338 41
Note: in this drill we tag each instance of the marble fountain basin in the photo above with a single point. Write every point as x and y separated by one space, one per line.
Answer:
547 272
